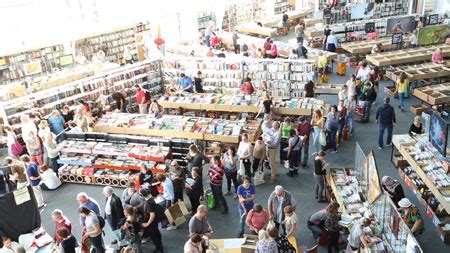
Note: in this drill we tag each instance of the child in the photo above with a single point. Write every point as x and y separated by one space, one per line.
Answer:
290 221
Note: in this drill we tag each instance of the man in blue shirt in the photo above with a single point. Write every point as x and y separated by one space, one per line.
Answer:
246 194
185 83
56 122
84 200
35 179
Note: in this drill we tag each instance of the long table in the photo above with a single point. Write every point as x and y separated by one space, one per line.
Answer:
437 94
422 71
405 56
365 47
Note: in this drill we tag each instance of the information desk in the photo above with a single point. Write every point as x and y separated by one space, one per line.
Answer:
438 94
241 103
405 56
422 71
365 47
170 126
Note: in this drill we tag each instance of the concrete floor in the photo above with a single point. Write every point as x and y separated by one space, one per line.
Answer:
226 226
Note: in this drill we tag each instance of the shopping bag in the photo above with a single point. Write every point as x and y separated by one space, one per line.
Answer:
241 168
259 177
16 148
270 225
209 199
342 68
322 139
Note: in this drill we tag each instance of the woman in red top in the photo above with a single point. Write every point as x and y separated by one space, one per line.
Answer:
247 87
215 41
273 50
257 219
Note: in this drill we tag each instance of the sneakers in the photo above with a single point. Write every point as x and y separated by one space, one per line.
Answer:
390 144
380 148
171 227
334 152
227 193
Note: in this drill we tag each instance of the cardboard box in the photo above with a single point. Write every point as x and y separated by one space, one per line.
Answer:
399 161
418 109
249 245
177 213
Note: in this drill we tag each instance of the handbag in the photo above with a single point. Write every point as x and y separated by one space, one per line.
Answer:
322 139
16 148
270 225
241 168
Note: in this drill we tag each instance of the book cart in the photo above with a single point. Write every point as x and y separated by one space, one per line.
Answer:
358 191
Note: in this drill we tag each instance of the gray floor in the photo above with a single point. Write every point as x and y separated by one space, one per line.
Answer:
226 226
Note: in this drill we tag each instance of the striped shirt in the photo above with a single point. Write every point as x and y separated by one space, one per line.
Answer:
216 174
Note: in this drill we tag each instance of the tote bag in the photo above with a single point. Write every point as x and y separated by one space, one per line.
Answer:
16 148
322 139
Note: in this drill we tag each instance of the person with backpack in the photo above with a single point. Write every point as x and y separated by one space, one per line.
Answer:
293 152
142 99
153 214
93 226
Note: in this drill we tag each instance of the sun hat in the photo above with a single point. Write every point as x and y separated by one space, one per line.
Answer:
404 202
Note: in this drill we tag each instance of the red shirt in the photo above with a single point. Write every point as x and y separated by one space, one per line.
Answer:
247 88
215 41
304 129
274 50
140 96
62 224
215 174
258 220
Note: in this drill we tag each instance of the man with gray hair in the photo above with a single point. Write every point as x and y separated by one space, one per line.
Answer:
84 200
61 221
278 200
272 138
113 211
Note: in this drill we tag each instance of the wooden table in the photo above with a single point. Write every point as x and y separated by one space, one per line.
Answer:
434 94
254 29
422 71
405 56
419 171
365 47
293 17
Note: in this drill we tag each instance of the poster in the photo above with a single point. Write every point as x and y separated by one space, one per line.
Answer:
65 60
374 186
21 196
400 25
32 68
360 11
438 133
429 35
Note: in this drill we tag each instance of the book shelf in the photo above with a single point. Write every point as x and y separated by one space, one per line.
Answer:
283 77
243 11
282 5
146 74
112 43
204 19
114 160
13 66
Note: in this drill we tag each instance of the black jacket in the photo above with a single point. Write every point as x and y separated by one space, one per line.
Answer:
371 94
116 211
386 114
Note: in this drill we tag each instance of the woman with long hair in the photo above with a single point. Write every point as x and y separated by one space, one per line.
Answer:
332 225
401 86
317 122
230 160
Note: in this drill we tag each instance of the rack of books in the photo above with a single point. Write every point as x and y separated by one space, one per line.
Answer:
177 126
405 56
423 71
241 103
282 5
424 171
18 66
146 74
112 43
283 77
205 19
243 11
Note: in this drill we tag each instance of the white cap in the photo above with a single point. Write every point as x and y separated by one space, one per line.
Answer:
404 202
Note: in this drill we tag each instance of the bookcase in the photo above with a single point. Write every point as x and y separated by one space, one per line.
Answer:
282 5
112 43
225 76
243 11
46 60
204 19
147 74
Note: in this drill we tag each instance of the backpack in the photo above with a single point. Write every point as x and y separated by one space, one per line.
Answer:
101 221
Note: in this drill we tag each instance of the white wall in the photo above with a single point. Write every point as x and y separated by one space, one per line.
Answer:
28 24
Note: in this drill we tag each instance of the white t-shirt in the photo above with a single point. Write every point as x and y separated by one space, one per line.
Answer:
27 128
291 221
188 247
14 246
50 179
168 190
245 149
363 73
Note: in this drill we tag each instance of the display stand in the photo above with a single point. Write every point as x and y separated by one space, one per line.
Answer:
365 47
405 56
422 71
358 191
227 131
438 94
424 176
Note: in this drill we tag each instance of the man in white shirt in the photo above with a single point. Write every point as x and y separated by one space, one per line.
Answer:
272 140
8 245
363 72
49 179
27 127
332 42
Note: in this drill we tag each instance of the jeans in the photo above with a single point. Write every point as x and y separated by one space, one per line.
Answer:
305 148
283 154
351 124
97 244
242 218
316 230
54 164
300 40
218 194
207 41
341 128
320 186
316 136
401 97
389 128
333 241
231 177
366 110
331 139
